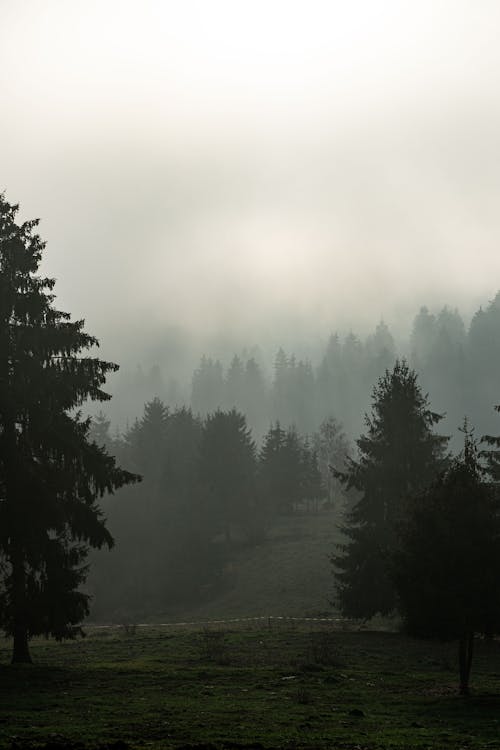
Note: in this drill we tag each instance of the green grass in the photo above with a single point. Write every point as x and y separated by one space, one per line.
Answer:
286 688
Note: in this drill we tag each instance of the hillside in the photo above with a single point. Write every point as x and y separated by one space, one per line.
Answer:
289 573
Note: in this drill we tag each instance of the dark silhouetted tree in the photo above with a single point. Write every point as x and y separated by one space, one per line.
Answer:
284 470
445 568
398 456
227 472
51 474
312 488
147 443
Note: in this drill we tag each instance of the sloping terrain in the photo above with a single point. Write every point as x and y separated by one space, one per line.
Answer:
289 573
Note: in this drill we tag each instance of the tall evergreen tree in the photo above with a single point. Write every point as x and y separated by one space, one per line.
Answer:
147 442
445 567
281 470
227 472
51 475
312 487
398 456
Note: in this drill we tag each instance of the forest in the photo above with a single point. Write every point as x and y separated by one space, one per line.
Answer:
413 524
182 490
247 450
249 375
457 364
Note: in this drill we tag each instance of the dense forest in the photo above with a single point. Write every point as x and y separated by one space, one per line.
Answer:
206 491
248 448
458 366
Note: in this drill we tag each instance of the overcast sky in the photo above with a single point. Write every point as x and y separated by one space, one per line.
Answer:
255 167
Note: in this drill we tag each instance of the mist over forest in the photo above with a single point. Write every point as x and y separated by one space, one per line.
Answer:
303 382
249 374
235 447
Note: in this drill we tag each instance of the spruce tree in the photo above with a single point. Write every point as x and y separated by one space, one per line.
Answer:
445 567
398 456
227 472
51 474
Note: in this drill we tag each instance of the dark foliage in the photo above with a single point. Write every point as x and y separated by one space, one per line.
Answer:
398 455
446 565
51 474
289 473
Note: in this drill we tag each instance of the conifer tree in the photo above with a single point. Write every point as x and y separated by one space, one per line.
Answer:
51 474
398 456
282 470
445 568
312 487
227 471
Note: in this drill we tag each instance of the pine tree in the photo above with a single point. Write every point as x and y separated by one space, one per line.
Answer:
281 470
445 568
312 487
147 442
227 471
398 456
51 474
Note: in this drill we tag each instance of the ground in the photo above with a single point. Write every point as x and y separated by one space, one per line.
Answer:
284 686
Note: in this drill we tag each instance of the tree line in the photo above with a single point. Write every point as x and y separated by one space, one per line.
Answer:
207 489
458 366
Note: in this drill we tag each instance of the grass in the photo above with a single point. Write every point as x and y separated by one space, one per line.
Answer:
260 688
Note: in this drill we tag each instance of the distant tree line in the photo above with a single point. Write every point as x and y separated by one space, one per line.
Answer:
458 366
298 393
206 490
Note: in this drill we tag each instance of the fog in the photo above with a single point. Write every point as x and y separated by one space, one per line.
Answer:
257 208
217 175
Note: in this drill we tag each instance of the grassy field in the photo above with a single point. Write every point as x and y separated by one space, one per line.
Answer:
277 687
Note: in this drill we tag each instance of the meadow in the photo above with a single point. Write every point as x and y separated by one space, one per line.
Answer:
276 684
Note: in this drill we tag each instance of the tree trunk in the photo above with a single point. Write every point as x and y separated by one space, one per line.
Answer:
20 651
465 651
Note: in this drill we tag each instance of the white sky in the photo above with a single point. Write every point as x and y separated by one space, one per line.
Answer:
255 166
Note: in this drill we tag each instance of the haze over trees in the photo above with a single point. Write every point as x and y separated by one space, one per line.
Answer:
207 492
301 399
458 366
51 475
211 487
